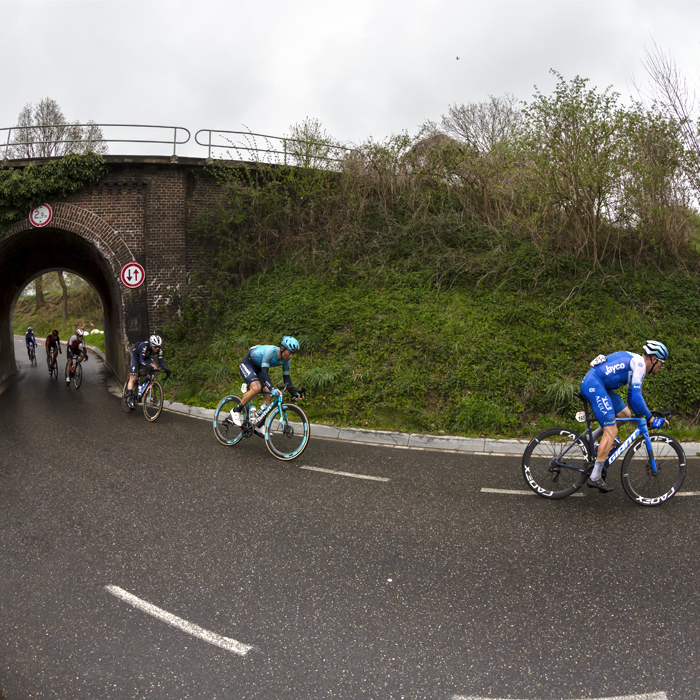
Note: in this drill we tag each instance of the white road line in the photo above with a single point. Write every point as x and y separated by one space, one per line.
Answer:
515 492
354 476
688 493
644 696
194 630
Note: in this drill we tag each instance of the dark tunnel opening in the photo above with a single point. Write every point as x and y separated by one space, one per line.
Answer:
27 254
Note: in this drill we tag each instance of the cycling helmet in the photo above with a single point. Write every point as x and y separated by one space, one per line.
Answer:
54 332
654 347
29 330
291 344
79 332
155 340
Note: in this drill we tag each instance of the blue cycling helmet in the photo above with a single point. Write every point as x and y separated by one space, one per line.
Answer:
654 347
291 344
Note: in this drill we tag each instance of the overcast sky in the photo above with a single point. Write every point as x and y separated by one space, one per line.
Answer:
362 68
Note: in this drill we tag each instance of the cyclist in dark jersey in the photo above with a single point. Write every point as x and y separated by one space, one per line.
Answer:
598 386
146 353
254 368
52 341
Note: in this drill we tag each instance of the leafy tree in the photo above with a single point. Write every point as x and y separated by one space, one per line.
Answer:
310 146
43 131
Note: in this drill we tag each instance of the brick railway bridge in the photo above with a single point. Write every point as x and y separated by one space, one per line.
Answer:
144 210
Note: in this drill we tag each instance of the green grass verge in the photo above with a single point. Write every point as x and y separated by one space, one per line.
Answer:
386 349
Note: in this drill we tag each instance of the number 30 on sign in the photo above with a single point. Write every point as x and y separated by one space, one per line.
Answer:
133 275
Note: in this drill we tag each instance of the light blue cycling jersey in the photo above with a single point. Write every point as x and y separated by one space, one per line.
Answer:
265 356
616 370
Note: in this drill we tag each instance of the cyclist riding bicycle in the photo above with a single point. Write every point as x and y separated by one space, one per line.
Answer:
75 348
30 339
254 368
145 354
52 341
598 386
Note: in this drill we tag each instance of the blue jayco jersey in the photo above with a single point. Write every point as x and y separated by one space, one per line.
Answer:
622 368
265 356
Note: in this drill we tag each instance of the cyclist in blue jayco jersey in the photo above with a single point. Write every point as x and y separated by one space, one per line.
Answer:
609 373
254 369
30 339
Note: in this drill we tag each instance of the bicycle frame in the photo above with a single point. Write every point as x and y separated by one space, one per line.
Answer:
641 429
275 405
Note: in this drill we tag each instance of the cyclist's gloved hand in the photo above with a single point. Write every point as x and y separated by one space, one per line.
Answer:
274 392
86 357
168 373
657 422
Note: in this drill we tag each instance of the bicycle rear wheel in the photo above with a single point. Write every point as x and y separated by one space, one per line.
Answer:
153 401
287 436
226 431
78 375
54 368
544 463
638 478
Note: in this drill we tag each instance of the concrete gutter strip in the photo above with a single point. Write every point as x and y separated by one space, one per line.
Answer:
416 441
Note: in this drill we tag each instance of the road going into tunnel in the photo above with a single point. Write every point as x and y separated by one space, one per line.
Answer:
144 560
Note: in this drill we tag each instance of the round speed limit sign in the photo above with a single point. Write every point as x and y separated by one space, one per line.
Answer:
133 275
40 216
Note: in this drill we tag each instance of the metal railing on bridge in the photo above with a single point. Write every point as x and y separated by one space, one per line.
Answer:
281 149
49 140
53 140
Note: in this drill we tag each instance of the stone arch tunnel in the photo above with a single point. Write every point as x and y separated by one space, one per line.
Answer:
144 210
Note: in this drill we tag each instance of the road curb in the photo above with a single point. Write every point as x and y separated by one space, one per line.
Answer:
385 438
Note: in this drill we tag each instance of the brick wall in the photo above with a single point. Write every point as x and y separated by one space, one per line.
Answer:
145 209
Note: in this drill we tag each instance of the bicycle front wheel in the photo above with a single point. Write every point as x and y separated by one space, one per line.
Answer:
640 482
78 375
551 461
153 402
287 435
226 431
125 400
54 369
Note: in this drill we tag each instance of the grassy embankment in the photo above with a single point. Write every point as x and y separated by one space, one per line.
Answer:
84 311
387 349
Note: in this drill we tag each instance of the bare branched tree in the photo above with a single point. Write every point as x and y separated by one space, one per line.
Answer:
671 92
483 125
43 131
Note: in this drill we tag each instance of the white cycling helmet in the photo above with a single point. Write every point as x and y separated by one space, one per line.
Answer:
79 332
654 347
155 340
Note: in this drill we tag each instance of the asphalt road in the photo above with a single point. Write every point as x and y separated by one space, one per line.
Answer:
419 587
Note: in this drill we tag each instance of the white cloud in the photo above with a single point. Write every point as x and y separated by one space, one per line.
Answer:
367 68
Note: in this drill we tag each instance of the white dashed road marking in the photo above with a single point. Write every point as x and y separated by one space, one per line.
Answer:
194 630
688 493
354 476
644 696
515 492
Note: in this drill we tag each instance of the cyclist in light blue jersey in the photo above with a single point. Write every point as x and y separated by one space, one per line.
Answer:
607 374
255 370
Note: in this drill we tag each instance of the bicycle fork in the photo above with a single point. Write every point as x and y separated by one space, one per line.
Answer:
641 429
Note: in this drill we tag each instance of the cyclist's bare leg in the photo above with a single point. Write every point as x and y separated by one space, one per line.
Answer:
253 390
